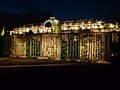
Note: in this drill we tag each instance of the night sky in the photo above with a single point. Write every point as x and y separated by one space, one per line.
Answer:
64 9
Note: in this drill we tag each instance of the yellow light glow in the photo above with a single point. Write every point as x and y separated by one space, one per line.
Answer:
111 26
101 26
95 27
20 32
99 22
83 27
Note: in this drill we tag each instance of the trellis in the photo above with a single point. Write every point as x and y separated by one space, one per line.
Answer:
70 47
50 46
92 46
33 45
83 46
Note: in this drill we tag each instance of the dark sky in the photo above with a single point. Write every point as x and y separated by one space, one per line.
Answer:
64 9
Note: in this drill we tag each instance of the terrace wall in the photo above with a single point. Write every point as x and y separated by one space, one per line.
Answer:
51 46
18 46
81 46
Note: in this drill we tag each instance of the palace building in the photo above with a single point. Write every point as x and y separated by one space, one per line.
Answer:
75 40
66 25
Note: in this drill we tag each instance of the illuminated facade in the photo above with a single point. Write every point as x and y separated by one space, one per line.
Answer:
47 42
86 24
93 25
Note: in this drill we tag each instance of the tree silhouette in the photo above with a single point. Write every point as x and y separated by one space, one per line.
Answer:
58 28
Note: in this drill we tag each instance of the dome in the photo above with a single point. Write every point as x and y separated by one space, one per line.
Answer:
52 20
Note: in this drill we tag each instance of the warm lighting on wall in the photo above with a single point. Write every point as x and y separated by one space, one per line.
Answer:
111 26
95 27
65 25
101 26
27 30
83 27
88 27
99 22
20 32
76 28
